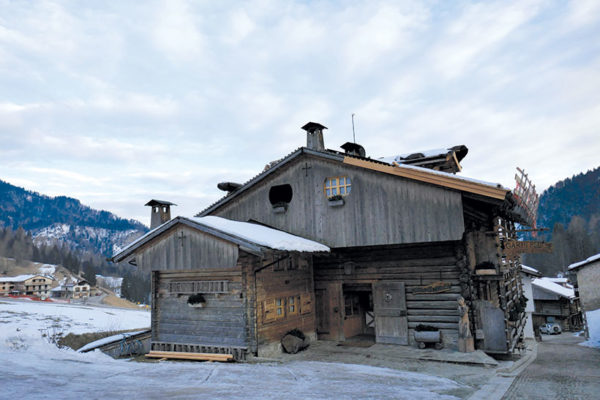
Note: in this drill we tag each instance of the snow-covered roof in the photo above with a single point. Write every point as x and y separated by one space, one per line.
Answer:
559 280
585 262
425 154
18 278
548 285
451 176
261 235
243 233
531 271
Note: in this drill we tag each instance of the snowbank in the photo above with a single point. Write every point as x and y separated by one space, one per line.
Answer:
32 368
593 320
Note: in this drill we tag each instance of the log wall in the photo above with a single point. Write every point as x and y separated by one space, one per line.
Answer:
415 265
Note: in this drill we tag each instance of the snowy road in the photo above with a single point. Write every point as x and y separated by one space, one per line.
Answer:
33 368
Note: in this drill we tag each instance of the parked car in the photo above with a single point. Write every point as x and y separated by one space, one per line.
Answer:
551 328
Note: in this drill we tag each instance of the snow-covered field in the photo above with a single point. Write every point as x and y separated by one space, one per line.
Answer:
30 367
593 320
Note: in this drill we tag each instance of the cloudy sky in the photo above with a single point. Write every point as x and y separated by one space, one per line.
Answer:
115 103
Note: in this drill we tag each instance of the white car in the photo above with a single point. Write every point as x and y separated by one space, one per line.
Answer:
551 328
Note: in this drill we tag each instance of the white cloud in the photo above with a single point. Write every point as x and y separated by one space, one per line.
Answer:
177 31
167 99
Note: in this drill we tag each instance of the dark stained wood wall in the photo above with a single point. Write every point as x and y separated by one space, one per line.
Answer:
221 322
184 248
381 209
415 265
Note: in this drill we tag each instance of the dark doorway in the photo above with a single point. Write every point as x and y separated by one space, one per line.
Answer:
358 312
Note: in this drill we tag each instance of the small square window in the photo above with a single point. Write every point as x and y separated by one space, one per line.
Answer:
337 186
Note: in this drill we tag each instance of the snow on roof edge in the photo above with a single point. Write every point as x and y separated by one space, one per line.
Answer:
246 231
584 262
547 284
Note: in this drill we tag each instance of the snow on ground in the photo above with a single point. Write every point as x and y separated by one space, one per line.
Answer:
47 269
593 320
33 368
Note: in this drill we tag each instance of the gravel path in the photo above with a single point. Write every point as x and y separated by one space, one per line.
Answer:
562 370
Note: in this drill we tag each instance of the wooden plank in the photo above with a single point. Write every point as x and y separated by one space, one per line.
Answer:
438 305
435 179
191 356
433 318
438 325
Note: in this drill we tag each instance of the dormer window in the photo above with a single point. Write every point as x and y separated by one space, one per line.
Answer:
337 186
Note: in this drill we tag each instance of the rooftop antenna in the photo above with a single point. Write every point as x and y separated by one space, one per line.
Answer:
353 133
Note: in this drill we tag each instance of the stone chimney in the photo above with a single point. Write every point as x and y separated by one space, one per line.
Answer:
161 212
314 136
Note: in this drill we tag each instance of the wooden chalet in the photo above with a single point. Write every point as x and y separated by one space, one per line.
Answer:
409 242
222 286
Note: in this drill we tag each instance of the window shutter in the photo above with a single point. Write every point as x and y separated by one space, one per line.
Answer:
269 311
305 303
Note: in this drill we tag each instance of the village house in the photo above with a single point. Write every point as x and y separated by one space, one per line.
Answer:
397 245
586 276
79 289
28 285
555 301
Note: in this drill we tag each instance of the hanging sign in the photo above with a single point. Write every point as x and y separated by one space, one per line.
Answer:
514 247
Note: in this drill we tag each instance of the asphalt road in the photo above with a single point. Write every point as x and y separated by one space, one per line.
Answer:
562 370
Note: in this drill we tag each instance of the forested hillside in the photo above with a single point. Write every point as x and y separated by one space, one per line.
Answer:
61 230
64 220
571 210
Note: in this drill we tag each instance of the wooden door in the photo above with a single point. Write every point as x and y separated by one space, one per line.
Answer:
391 321
329 311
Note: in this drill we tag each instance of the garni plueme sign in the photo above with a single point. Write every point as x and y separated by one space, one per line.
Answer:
514 247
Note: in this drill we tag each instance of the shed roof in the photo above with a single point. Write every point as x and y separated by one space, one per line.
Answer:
251 237
585 262
549 286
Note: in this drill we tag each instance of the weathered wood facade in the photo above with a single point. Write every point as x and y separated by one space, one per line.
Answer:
411 248
429 277
251 296
436 238
380 209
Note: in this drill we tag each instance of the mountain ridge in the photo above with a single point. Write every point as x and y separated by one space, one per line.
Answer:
62 219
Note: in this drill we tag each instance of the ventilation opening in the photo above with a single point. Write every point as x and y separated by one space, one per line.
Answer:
280 194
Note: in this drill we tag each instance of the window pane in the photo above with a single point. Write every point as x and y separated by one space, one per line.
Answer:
278 302
328 192
348 181
334 182
348 189
327 183
292 308
342 180
291 300
334 191
342 190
